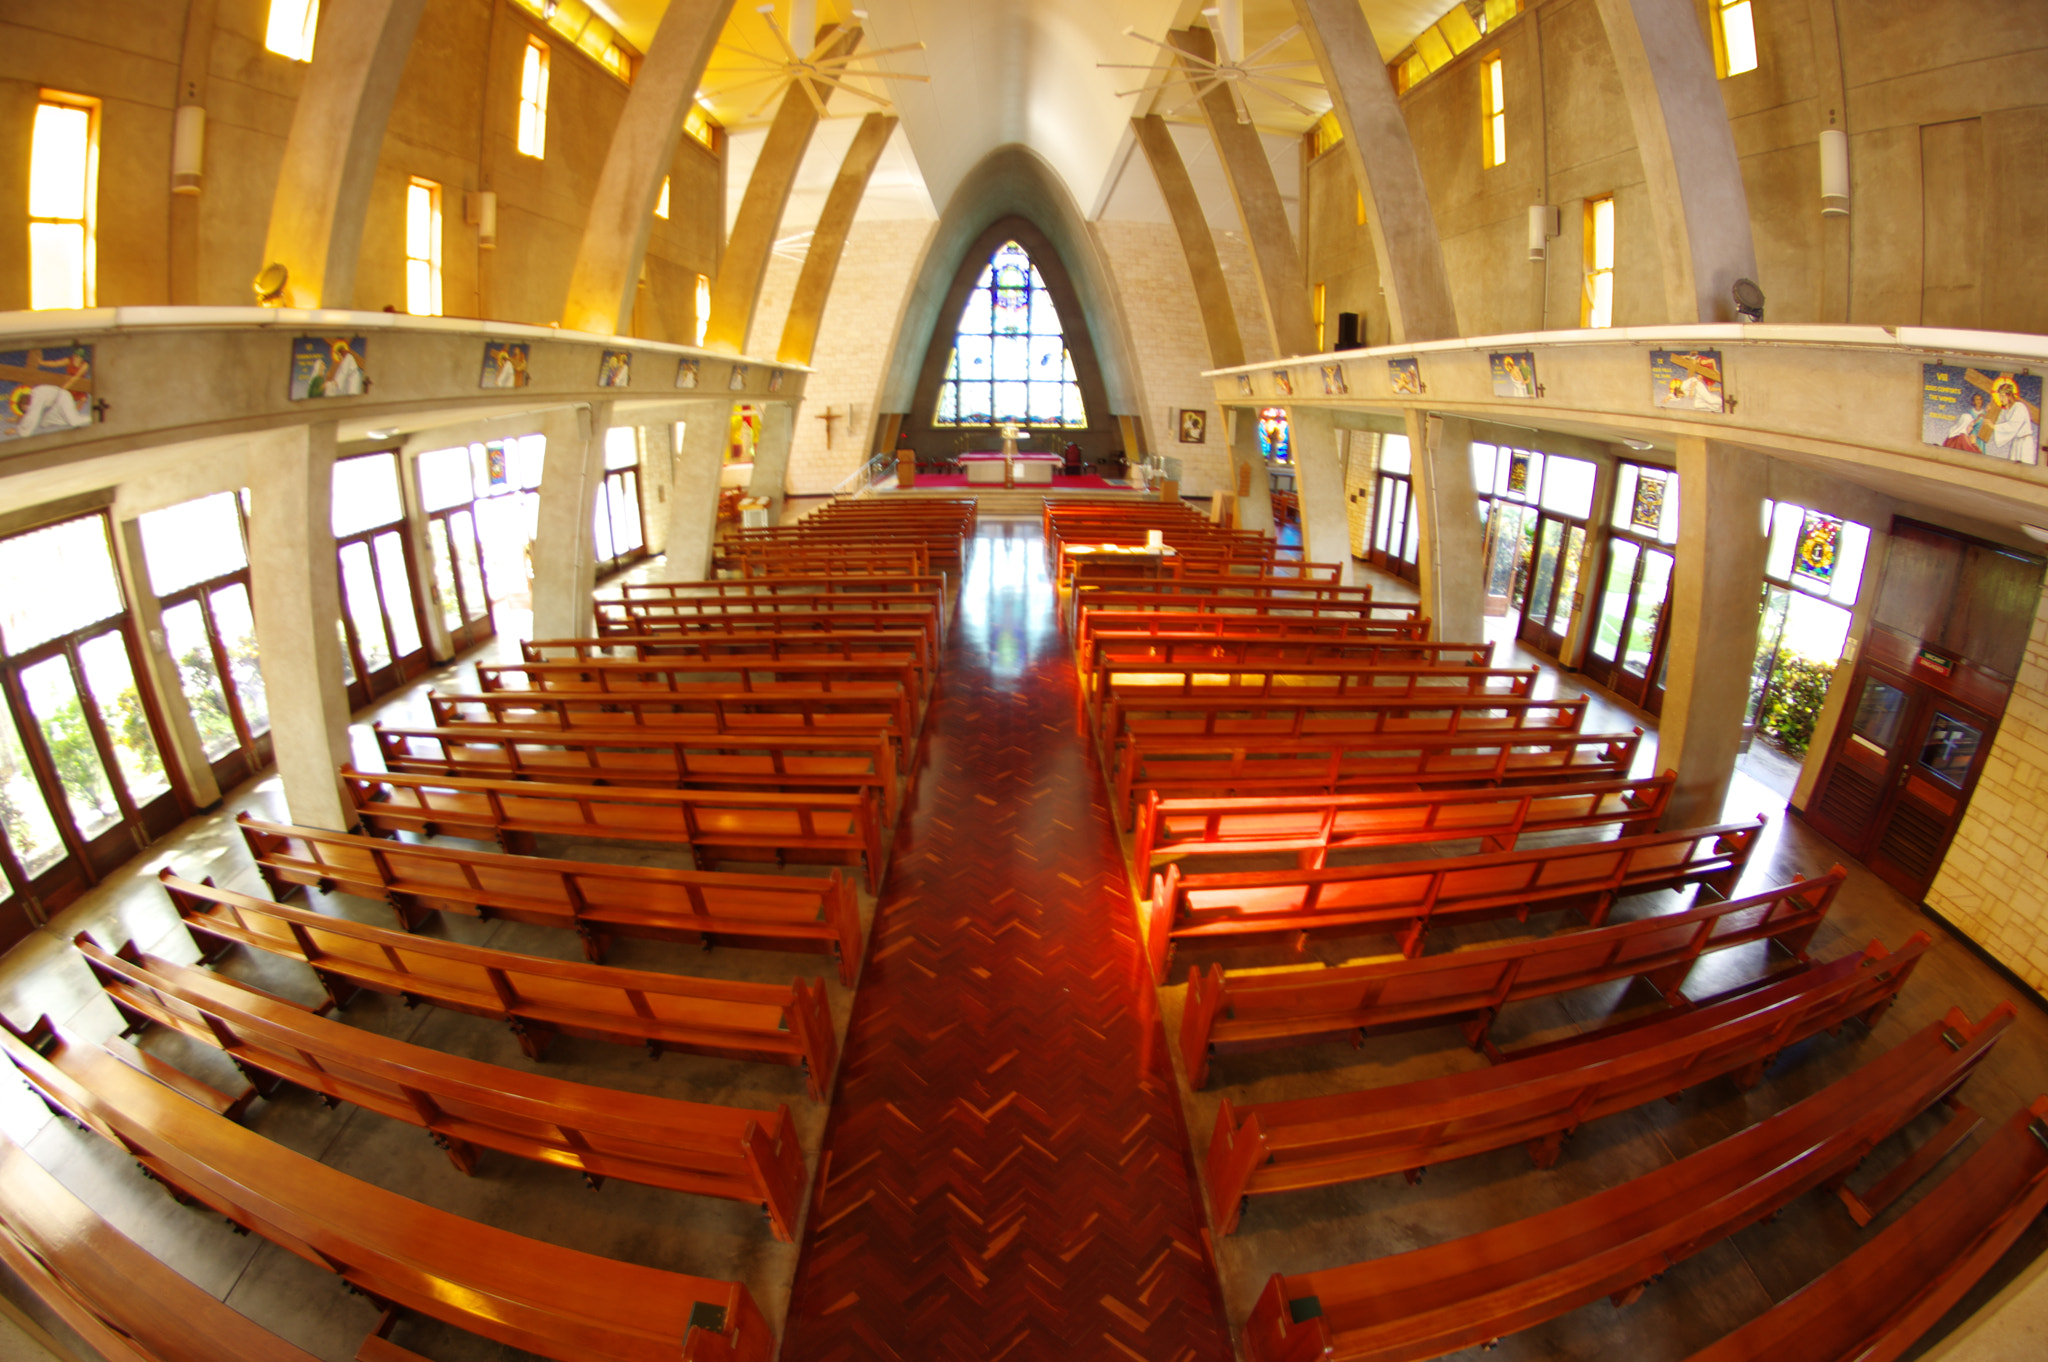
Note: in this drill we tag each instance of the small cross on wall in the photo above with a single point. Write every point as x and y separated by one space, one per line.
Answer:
828 416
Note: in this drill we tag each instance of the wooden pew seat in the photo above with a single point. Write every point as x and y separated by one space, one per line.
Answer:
1476 1289
504 1287
537 997
793 912
1538 1099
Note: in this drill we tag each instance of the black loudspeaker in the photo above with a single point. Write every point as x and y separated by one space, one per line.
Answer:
1347 331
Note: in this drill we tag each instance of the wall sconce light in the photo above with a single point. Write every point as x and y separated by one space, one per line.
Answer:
1834 173
1544 223
480 210
188 149
269 285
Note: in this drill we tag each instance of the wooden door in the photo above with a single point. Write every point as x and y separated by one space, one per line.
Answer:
1629 638
1556 548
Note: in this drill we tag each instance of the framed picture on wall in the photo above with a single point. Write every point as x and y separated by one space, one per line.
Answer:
687 373
1405 377
45 390
505 365
1984 411
1244 385
1194 426
737 383
1514 373
615 369
328 366
1687 379
1333 381
1283 383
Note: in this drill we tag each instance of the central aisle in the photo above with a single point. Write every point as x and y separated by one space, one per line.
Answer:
1007 1177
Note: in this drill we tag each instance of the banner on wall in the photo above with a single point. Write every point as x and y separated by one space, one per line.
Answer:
329 366
1984 411
505 365
1689 380
45 390
1406 376
1514 373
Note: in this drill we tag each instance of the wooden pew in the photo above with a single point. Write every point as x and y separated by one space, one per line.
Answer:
1540 1098
818 614
1103 647
1132 625
753 648
1476 1289
788 584
1280 599
1408 897
597 902
733 1153
1876 1303
521 1292
1116 686
709 712
1191 767
824 560
1470 987
1311 826
892 683
127 1305
647 759
536 997
1178 717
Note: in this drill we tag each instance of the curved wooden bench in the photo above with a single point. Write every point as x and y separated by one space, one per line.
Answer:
712 712
1538 1099
753 647
1407 897
892 683
1117 686
1312 826
1877 1302
125 1304
1479 1288
536 997
595 901
467 1105
521 1292
1470 987
1178 767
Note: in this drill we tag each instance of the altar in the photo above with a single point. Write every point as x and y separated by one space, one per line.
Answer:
986 469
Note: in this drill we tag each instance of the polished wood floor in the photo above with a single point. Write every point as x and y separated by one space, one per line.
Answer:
1005 1172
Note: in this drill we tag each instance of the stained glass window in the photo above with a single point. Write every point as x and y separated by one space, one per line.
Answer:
1274 444
1010 360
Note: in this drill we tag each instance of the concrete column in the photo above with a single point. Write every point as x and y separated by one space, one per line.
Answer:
771 456
564 568
828 239
657 479
1248 471
295 591
1275 260
323 188
693 505
1212 291
737 289
1319 487
440 645
1450 553
182 746
607 270
1715 591
1692 177
1403 228
195 60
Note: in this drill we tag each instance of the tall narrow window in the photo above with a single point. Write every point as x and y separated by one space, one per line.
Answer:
533 100
290 31
703 306
1597 307
1493 94
423 248
1010 360
63 166
1734 37
1320 302
661 204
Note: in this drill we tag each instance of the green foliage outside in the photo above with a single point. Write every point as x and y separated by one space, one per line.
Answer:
1791 706
201 681
77 760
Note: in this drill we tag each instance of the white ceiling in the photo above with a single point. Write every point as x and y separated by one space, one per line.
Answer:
1003 71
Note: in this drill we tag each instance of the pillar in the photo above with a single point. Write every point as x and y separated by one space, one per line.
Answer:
771 456
1403 228
1715 589
1212 290
295 591
1319 487
1275 261
182 745
657 477
1451 564
607 270
1248 471
693 504
1692 178
330 157
828 239
737 289
564 565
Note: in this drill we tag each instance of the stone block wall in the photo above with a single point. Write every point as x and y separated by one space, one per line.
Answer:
874 275
1991 886
1361 471
1169 344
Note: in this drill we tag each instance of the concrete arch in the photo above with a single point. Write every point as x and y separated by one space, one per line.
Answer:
1012 182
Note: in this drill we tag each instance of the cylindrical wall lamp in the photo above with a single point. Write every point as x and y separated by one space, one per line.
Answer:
481 211
1834 172
188 149
1543 224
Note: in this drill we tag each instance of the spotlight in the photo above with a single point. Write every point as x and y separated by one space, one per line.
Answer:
1749 300
270 283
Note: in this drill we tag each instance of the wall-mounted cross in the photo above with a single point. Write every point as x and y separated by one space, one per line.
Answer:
828 416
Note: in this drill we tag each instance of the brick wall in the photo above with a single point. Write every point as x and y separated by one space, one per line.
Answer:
853 345
1360 473
1169 345
1991 886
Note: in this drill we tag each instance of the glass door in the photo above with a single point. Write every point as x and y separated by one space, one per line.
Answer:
1627 652
480 507
1396 533
1559 546
382 633
617 533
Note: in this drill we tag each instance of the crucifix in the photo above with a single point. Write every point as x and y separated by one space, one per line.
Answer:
828 416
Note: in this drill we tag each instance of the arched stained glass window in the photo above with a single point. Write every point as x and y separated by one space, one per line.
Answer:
1010 360
1274 444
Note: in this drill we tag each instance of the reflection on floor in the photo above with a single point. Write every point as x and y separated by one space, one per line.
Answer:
1002 868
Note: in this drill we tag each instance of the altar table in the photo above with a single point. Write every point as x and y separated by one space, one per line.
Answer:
987 468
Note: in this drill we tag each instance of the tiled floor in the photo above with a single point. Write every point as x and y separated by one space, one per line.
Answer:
1006 794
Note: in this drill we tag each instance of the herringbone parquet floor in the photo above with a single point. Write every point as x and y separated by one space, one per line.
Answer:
1007 1173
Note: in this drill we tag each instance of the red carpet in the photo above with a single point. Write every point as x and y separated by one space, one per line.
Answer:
1087 482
